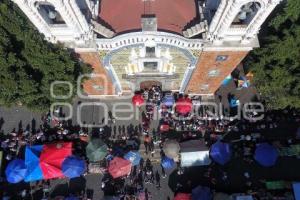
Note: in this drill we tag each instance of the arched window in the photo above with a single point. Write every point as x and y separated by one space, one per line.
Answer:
246 14
49 14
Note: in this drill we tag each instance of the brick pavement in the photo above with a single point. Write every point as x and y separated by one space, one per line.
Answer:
99 78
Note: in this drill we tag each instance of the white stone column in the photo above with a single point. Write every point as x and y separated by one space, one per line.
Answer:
64 10
228 19
216 19
80 17
142 52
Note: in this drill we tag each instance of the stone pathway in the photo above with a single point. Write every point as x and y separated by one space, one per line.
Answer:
18 117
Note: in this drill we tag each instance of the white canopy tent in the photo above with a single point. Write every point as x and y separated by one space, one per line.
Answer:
194 153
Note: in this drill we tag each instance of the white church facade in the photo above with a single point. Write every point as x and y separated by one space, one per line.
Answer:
189 46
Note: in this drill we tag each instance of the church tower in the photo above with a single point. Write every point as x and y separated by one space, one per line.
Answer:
59 20
232 33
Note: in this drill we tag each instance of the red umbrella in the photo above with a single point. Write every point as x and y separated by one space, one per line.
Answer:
137 100
119 167
184 105
183 196
164 127
52 157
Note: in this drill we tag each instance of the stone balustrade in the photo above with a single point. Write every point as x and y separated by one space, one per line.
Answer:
136 38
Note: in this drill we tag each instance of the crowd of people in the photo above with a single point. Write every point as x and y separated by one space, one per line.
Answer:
276 127
121 139
133 186
51 130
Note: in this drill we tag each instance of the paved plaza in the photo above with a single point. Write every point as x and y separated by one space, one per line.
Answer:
92 112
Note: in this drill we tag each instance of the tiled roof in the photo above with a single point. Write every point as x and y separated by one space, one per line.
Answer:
125 15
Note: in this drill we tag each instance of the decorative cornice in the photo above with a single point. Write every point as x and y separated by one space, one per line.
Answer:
135 38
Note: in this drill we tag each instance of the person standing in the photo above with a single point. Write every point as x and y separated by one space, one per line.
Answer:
164 175
140 180
111 117
115 131
147 141
151 148
149 175
154 135
146 147
133 174
119 129
157 179
162 155
141 164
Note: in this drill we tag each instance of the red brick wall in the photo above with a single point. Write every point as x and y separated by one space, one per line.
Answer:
207 62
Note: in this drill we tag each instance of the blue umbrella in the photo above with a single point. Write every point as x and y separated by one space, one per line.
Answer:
265 154
73 167
201 193
168 100
227 80
234 102
134 157
16 171
220 152
32 162
167 162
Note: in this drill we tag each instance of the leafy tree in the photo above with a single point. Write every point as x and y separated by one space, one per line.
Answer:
276 65
29 64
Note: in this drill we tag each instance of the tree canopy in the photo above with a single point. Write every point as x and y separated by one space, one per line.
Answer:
29 64
276 65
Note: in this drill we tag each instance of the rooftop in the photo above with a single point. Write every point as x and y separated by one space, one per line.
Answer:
125 15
